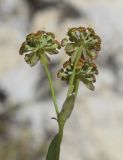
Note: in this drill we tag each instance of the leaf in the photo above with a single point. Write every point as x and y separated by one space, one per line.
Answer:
67 109
54 148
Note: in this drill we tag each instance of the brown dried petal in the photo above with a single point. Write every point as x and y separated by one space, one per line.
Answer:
64 42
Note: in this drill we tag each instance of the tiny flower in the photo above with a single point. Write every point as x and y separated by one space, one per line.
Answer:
38 44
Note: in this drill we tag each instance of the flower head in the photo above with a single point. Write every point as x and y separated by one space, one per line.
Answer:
85 72
38 44
82 36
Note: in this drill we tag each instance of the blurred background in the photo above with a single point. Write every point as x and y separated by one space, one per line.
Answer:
95 129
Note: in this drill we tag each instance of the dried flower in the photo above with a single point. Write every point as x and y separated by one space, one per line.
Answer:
85 72
37 44
82 36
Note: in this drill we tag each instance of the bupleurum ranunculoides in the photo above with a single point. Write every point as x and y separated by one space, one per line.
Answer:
82 46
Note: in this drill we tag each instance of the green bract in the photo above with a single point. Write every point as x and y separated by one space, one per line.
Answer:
38 44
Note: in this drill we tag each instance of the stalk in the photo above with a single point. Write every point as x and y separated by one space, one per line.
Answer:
51 85
74 69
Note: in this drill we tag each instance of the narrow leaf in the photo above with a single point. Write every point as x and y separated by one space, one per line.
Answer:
54 149
67 109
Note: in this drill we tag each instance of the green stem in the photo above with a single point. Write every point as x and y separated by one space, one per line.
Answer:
61 128
74 69
77 87
50 84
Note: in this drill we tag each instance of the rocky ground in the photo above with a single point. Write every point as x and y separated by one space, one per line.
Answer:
95 130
